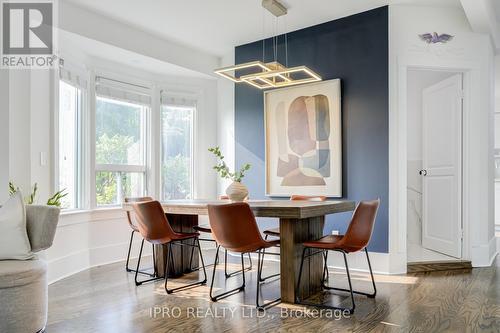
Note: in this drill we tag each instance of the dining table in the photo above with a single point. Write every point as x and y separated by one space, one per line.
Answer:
299 221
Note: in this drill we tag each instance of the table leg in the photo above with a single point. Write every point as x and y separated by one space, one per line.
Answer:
293 232
181 254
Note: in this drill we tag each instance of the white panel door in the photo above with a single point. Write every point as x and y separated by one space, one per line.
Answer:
442 167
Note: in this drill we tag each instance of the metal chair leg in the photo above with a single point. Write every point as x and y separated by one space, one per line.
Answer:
299 301
171 257
137 282
128 253
128 269
371 274
297 298
228 293
192 256
259 278
372 295
228 275
326 274
250 261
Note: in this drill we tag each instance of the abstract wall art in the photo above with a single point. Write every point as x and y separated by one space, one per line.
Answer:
304 140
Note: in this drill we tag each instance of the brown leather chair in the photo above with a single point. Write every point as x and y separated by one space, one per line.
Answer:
206 229
154 227
234 228
356 239
134 230
275 232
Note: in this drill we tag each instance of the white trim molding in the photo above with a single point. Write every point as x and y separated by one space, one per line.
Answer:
483 255
471 54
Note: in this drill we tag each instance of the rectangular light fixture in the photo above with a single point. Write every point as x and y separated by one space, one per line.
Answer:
259 66
281 77
272 74
269 75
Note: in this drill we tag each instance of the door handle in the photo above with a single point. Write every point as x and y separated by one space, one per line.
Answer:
423 172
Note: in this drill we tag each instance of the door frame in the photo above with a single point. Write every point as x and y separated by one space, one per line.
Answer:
398 150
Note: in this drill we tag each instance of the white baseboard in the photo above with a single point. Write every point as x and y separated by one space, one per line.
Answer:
483 255
79 261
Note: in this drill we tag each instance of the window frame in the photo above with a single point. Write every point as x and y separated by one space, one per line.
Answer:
95 167
80 145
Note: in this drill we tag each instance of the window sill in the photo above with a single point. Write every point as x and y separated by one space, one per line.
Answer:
89 211
73 217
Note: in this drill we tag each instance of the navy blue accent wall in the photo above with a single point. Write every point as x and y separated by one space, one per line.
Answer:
354 49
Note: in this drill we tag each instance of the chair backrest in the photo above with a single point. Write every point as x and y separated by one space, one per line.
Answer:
152 222
360 228
297 197
234 227
129 215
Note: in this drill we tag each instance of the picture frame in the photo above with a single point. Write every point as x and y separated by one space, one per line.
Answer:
303 137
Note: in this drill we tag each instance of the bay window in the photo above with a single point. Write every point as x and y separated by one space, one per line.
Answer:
105 151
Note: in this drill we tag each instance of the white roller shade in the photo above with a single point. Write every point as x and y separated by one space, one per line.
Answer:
123 91
173 99
73 78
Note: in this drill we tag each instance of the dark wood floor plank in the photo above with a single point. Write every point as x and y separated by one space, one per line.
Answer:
105 299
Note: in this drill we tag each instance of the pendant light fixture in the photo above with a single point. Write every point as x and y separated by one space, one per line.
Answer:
262 75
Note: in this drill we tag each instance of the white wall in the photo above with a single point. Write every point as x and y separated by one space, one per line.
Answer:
497 143
30 130
4 134
417 81
225 121
19 128
469 51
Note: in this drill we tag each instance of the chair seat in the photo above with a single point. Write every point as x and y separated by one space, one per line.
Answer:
272 232
177 236
203 228
255 246
331 242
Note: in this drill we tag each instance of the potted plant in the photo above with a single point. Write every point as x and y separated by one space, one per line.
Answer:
54 200
236 191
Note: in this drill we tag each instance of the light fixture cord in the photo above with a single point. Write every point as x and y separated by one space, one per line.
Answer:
275 39
286 42
263 36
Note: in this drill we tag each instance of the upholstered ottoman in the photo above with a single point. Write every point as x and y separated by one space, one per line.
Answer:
23 283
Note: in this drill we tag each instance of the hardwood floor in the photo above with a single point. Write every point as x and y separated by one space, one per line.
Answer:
105 299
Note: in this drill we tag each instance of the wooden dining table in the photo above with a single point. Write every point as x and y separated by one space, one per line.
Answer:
299 221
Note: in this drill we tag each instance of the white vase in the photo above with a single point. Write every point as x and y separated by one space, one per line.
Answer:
237 191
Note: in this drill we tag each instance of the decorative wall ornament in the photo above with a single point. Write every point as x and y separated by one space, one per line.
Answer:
435 38
303 140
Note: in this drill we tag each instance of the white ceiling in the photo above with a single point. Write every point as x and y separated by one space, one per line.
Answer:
75 46
216 26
